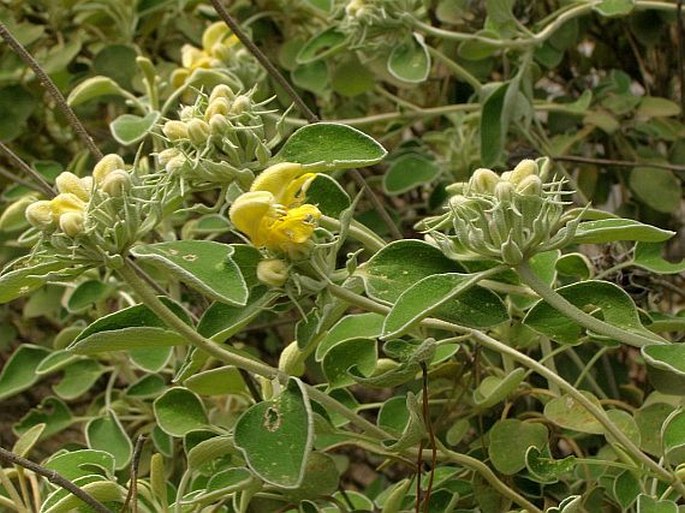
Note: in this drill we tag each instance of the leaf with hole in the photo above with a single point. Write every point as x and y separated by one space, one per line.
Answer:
275 436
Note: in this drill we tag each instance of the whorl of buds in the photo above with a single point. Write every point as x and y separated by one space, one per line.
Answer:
71 223
69 182
175 130
221 91
241 103
40 215
106 165
116 183
198 131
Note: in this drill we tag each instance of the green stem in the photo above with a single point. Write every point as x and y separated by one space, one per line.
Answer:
12 492
497 346
455 68
556 301
548 357
357 231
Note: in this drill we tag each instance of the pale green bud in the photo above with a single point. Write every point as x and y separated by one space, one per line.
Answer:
511 253
13 218
116 183
71 223
175 164
504 191
69 182
198 131
355 8
530 186
40 215
273 272
292 360
217 106
241 104
175 130
483 181
218 124
221 91
457 188
107 164
187 113
384 365
164 156
522 170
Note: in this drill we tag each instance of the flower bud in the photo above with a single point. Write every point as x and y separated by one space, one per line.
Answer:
483 181
214 34
241 104
511 253
221 91
198 131
187 113
354 8
116 183
457 188
531 185
69 182
504 190
107 164
40 215
164 156
14 216
71 223
384 365
67 202
292 360
273 272
217 106
175 130
218 124
175 164
522 170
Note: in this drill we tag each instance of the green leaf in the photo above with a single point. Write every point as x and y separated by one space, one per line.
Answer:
117 62
86 294
16 105
492 129
276 436
649 419
352 78
148 386
614 7
568 413
131 328
365 325
648 256
414 429
647 504
574 264
82 462
321 478
129 129
204 265
626 489
475 50
78 377
653 107
61 501
360 353
312 76
225 482
447 296
324 5
410 61
27 440
615 305
329 146
666 367
409 171
94 87
399 265
150 359
19 282
544 469
219 381
610 230
493 389
507 457
19 372
178 411
321 45
673 438
658 188
52 412
221 321
329 197
107 434
625 422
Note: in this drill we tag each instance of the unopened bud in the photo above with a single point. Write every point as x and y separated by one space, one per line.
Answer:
40 215
241 104
217 106
69 182
187 113
13 217
292 360
107 164
273 272
354 8
214 34
522 170
71 223
175 164
175 130
191 56
504 190
531 185
198 131
384 365
221 91
218 124
483 181
511 253
67 202
116 183
164 156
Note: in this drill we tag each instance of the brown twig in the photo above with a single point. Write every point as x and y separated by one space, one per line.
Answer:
51 88
618 163
54 478
431 436
681 58
132 495
419 468
40 184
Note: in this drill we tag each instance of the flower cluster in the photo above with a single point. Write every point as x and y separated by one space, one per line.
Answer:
273 213
507 218
378 23
217 139
67 210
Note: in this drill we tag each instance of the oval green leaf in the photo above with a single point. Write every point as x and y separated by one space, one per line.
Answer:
179 411
129 129
410 61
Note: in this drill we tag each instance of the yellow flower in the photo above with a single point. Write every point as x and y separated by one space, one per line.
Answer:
273 213
217 40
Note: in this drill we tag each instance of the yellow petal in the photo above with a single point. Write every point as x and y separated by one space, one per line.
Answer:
69 182
214 34
248 211
293 228
67 202
277 178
